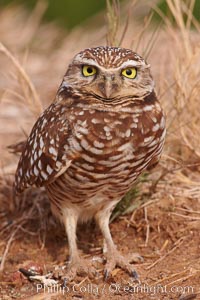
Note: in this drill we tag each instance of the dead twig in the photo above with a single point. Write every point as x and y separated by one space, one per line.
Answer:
192 271
190 211
7 249
176 245
147 226
186 217
169 277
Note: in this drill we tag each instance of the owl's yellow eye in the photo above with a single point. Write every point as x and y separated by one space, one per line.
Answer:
89 70
130 73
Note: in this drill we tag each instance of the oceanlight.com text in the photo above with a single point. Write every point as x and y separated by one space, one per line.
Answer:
115 288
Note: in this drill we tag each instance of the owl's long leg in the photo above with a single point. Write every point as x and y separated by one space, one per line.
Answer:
77 265
112 255
70 222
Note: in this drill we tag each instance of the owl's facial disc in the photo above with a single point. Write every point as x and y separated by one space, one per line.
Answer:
109 73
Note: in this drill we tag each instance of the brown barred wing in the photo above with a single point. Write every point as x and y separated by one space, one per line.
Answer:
45 155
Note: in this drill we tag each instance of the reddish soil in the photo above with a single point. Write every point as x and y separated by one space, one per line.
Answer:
171 267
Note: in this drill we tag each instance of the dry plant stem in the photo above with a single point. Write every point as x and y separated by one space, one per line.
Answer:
169 277
113 20
152 41
27 231
164 245
185 94
20 221
186 217
7 249
176 9
17 95
187 210
148 226
184 278
176 245
82 281
190 20
150 202
127 22
186 140
34 20
138 38
189 14
35 105
165 173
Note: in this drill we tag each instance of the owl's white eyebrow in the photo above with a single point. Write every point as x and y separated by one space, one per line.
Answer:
86 61
134 63
128 63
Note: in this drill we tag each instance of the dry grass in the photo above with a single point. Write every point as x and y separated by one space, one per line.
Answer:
184 125
29 94
33 65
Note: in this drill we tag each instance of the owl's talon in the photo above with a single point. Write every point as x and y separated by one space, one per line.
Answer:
80 267
116 259
135 275
65 282
106 274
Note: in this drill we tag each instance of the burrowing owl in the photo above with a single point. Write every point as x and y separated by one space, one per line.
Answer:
89 146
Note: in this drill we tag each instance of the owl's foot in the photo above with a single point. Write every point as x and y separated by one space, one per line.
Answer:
115 259
80 267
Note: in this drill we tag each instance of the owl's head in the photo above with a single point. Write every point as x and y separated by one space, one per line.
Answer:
109 73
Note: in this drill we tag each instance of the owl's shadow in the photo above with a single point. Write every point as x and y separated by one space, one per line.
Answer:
89 237
89 240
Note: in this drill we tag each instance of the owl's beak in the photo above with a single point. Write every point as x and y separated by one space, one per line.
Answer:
107 86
